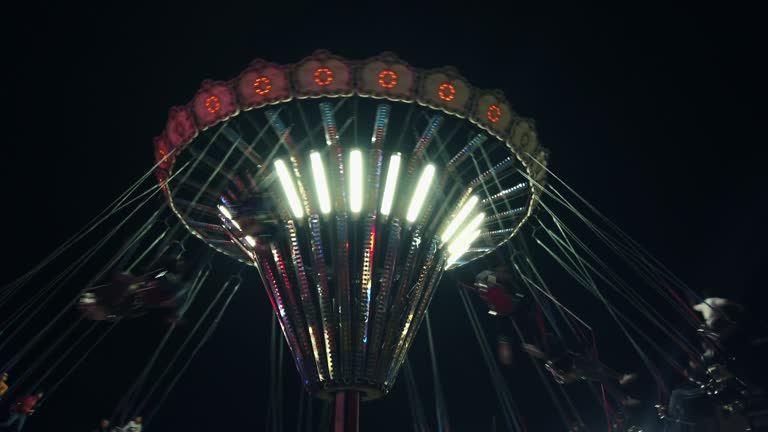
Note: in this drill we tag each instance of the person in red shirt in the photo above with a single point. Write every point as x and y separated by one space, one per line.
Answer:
23 408
499 289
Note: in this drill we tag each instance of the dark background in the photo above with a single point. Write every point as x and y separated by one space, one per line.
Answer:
652 118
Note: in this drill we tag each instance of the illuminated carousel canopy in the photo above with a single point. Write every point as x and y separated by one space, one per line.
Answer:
351 187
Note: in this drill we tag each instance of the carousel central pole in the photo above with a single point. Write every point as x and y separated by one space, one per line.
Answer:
347 412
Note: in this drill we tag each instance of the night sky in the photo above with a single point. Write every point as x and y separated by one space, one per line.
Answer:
652 118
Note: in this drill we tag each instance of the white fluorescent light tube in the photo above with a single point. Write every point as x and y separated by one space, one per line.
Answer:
464 236
420 194
462 248
356 181
224 211
459 219
290 191
321 185
237 225
391 184
250 240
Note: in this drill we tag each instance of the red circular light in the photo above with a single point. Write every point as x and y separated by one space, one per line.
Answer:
446 92
212 104
387 79
494 113
262 85
323 76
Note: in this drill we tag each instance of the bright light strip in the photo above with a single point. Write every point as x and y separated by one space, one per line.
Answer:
459 219
224 211
391 184
462 249
290 191
422 187
321 185
250 240
237 225
355 181
462 241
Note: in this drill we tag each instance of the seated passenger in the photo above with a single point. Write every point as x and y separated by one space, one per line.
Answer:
21 410
110 300
134 425
715 309
570 367
498 289
165 286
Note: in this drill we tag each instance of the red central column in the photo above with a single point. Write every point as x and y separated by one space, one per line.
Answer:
347 417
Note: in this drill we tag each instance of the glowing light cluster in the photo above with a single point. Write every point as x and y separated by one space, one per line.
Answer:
387 79
446 92
212 104
494 113
323 76
356 185
458 235
262 85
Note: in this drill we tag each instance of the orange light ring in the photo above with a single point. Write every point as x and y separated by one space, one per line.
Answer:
387 79
323 76
494 113
262 85
447 92
212 104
